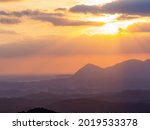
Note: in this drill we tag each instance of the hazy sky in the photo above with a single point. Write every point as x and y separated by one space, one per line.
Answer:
60 36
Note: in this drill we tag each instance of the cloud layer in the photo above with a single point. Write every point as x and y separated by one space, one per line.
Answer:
9 21
57 19
138 7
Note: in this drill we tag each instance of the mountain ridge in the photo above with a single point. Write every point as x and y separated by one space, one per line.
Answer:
94 71
129 68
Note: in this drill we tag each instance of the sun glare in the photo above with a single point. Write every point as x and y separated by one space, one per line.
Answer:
112 28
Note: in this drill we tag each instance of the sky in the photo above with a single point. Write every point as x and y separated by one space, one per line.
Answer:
58 37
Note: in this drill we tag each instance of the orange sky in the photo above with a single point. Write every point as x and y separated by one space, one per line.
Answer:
51 37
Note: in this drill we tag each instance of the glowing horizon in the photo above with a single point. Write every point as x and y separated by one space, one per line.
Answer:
45 36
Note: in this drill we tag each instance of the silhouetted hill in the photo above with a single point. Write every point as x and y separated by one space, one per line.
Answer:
89 71
39 110
128 69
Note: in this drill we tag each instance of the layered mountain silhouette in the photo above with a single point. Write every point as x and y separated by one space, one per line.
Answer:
127 69
124 87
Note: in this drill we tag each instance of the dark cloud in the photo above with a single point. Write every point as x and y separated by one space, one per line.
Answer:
9 21
61 9
136 7
28 13
140 7
86 9
127 17
57 21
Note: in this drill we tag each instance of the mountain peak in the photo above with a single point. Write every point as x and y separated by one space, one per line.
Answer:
87 66
132 61
127 63
136 68
89 71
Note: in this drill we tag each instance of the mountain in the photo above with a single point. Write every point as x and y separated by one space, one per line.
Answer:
89 71
124 87
130 74
125 70
130 69
39 110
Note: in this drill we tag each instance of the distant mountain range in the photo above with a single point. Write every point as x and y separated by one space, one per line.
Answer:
124 87
131 74
127 69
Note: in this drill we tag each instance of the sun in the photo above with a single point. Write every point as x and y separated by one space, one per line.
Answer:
110 29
